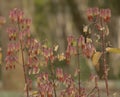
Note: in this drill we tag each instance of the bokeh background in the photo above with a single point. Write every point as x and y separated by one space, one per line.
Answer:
54 20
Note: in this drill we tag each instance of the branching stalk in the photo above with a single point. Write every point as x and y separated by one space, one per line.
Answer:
95 88
91 92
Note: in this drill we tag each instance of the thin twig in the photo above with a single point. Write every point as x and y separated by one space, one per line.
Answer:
96 85
78 66
91 91
104 60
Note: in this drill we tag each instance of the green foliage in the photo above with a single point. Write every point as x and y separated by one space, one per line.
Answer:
41 17
10 94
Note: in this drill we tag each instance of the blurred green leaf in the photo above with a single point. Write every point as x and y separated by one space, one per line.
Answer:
113 50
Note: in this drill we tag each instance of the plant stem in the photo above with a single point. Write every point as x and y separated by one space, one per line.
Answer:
23 62
24 69
52 75
96 85
95 88
91 92
104 61
78 66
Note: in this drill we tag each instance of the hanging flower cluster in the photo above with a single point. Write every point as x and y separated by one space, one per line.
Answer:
16 15
94 13
48 54
87 47
17 35
13 48
44 85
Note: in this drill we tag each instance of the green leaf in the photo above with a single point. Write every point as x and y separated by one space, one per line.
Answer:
96 57
74 43
113 50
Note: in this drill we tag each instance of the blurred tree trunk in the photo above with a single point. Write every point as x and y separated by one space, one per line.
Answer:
59 26
77 15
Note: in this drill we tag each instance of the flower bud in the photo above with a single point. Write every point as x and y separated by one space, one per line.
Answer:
16 15
90 14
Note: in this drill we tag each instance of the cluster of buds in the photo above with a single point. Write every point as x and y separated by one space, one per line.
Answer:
46 90
24 33
105 14
81 41
33 69
74 44
11 57
93 13
87 47
23 24
13 48
71 48
44 85
48 54
33 47
59 74
16 15
16 34
71 90
88 50
26 22
65 78
68 80
12 33
10 62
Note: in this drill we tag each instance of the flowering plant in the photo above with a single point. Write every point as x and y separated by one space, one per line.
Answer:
35 55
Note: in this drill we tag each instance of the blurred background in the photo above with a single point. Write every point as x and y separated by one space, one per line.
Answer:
54 20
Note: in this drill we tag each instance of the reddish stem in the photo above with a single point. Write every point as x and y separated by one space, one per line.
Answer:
96 85
104 60
78 66
24 68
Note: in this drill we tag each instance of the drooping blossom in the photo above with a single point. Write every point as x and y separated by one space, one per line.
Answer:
81 41
16 15
105 14
90 14
12 33
88 50
59 73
